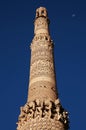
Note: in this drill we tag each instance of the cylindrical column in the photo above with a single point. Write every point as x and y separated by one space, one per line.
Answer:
41 23
42 84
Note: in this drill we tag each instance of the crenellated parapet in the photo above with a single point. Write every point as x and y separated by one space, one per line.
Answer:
43 109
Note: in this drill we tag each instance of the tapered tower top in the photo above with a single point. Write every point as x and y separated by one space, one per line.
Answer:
41 23
41 12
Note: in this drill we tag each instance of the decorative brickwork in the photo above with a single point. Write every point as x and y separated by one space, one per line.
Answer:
47 111
43 110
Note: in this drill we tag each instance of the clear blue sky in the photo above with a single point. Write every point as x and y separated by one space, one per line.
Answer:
68 30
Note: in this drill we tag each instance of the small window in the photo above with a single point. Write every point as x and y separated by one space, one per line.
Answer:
42 12
46 38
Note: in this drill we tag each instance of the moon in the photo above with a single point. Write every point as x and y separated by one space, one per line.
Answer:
73 15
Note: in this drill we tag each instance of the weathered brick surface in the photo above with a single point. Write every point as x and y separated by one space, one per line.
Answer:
43 110
43 124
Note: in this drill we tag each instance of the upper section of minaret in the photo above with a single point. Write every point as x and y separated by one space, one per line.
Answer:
42 83
41 12
41 23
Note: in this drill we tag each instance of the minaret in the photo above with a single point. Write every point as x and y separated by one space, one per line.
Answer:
43 110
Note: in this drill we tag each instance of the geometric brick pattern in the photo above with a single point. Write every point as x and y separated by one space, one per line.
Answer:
42 115
43 110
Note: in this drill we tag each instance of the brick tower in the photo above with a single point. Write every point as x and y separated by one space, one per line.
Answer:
43 110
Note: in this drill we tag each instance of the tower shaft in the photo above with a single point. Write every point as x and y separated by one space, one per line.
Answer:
42 83
43 110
